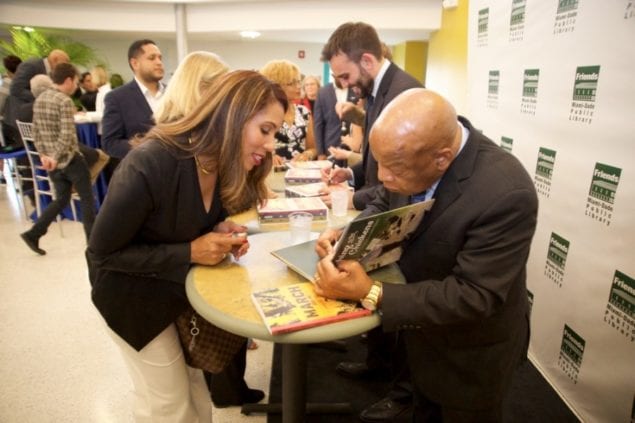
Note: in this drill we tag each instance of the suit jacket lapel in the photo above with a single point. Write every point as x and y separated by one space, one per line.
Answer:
449 189
139 99
378 105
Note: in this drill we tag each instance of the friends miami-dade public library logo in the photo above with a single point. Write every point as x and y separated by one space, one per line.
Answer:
507 144
556 258
493 83
620 310
565 16
544 170
483 27
517 20
604 183
629 13
571 352
584 92
530 91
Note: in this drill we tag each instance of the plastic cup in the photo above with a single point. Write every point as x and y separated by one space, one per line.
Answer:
300 227
339 202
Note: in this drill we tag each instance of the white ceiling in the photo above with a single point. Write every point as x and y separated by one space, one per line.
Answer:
222 20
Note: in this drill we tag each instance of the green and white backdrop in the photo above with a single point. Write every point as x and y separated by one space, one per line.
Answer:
553 82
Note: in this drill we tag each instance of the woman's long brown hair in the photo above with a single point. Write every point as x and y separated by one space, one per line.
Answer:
215 128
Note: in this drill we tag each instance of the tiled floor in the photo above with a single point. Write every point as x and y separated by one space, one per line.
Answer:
56 362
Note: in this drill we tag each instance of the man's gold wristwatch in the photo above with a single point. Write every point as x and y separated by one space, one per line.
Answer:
369 302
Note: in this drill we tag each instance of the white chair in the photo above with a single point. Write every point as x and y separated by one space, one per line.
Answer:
41 181
10 158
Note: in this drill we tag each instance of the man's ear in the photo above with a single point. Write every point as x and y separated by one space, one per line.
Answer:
443 159
367 61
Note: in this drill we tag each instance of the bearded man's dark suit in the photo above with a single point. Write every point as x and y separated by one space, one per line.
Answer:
463 313
394 82
126 114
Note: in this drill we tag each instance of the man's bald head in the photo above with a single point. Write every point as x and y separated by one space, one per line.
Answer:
56 57
416 134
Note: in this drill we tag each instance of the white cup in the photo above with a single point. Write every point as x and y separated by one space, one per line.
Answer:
300 227
339 202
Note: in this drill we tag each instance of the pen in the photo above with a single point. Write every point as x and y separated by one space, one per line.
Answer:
333 167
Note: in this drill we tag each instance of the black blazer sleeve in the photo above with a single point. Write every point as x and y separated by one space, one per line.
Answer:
21 83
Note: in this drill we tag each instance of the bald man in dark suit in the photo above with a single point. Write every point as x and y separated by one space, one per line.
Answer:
463 313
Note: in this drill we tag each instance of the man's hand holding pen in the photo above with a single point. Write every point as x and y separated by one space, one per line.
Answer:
336 175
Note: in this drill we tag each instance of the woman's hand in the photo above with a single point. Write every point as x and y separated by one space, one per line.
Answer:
326 240
229 227
211 248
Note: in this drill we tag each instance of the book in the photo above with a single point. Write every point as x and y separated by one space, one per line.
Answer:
374 241
309 190
295 307
279 209
310 164
297 176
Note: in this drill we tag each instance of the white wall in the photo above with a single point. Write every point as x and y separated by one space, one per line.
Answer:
237 54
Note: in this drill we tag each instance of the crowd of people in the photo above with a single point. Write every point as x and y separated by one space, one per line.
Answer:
186 156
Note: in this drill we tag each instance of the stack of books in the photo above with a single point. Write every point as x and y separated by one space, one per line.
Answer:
297 176
279 209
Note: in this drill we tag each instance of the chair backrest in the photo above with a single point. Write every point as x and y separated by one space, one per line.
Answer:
26 130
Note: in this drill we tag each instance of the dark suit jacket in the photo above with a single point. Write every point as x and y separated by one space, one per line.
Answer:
20 90
326 123
138 264
394 82
464 309
327 126
126 114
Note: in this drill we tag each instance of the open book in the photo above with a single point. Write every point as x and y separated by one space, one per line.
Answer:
297 306
374 241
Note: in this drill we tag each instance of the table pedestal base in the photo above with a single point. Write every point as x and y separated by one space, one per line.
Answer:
294 406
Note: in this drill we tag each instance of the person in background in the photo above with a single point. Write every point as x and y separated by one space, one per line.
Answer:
11 64
357 60
128 109
175 190
95 158
88 89
55 139
192 77
310 87
328 127
100 79
295 137
20 90
195 74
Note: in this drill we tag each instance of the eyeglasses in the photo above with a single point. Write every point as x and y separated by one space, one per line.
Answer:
293 83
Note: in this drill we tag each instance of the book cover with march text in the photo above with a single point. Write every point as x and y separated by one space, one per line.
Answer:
295 307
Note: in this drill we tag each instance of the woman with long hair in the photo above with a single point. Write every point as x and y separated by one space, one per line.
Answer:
165 210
